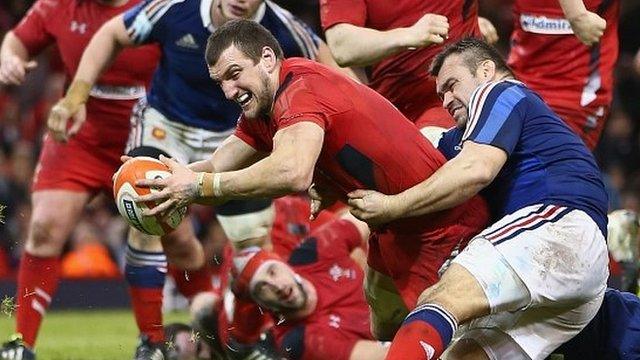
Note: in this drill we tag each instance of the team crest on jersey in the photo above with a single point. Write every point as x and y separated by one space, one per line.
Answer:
78 27
334 321
188 41
336 272
544 25
159 133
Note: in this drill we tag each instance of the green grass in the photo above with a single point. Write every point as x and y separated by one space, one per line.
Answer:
86 335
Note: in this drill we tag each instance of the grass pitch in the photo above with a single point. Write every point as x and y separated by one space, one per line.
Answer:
86 335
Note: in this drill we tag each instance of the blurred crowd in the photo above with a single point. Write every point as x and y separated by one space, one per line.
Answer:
99 238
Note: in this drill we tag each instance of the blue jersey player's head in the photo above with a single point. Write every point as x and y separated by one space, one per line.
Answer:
244 58
460 68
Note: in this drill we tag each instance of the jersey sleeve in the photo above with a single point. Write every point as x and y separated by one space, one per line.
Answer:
145 21
315 342
449 143
296 103
32 29
334 12
496 115
249 135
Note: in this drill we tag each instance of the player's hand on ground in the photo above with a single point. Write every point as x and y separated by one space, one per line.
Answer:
488 31
13 69
429 29
175 191
59 116
372 207
321 198
588 27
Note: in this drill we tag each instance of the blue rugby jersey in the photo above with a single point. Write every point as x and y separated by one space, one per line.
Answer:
181 88
547 163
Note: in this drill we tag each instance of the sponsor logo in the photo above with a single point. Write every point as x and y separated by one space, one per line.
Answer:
188 42
544 25
159 133
129 208
81 28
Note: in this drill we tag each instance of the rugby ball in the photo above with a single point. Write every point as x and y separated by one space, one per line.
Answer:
125 190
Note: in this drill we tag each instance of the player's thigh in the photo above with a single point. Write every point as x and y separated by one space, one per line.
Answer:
533 333
387 307
458 291
246 222
54 215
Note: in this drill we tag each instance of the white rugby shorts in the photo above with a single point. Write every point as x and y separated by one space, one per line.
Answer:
544 270
184 143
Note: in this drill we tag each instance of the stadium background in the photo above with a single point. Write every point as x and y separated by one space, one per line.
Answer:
96 248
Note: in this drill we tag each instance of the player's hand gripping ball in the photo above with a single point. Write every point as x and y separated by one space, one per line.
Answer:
125 190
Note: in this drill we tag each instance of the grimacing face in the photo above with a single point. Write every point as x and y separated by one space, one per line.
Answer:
455 84
245 82
277 288
239 9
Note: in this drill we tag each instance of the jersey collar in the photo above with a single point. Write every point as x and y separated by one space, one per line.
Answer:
205 13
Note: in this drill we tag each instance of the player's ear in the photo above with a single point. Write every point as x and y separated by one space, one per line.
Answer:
269 58
486 70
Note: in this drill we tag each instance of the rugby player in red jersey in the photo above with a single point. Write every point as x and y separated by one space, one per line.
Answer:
398 40
302 119
77 158
565 51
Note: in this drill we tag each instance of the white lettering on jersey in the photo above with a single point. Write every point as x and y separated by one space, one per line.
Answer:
544 25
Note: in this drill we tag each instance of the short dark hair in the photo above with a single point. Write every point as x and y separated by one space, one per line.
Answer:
474 51
248 36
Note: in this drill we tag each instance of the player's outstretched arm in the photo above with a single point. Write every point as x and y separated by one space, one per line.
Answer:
288 169
14 60
233 154
97 56
586 25
359 46
455 182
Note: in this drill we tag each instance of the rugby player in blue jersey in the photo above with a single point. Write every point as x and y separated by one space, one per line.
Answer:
537 276
186 116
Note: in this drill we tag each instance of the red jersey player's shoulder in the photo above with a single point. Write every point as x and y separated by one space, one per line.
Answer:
309 91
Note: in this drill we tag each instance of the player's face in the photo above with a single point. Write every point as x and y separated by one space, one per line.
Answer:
277 288
455 84
239 9
245 82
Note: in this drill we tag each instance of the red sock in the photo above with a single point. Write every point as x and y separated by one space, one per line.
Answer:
145 273
37 282
147 308
189 283
424 334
